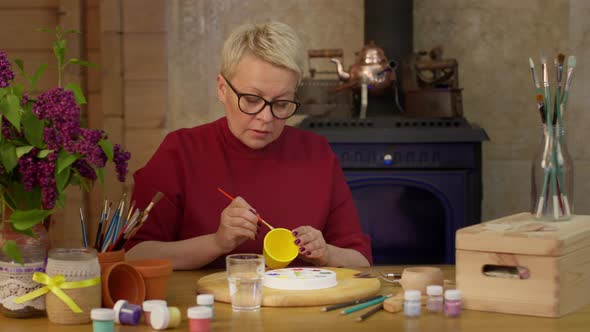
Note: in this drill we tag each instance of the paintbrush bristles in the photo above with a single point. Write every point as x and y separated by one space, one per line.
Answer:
158 196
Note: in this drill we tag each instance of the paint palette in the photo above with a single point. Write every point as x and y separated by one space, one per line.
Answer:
300 278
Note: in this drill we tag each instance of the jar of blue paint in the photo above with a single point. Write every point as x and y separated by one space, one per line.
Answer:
103 320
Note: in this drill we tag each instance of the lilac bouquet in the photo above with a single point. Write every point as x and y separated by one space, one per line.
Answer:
44 148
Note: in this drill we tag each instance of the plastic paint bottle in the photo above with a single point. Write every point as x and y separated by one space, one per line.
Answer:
453 303
127 313
412 303
434 301
150 305
103 320
199 318
165 317
207 300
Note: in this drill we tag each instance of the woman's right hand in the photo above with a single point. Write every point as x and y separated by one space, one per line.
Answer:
238 223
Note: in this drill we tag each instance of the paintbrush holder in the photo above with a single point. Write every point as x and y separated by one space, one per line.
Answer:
552 183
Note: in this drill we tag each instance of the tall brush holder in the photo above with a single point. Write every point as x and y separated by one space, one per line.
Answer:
75 265
552 191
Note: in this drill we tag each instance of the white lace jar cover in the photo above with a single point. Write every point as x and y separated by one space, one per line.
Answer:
74 265
17 280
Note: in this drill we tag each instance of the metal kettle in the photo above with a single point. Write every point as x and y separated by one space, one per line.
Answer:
371 67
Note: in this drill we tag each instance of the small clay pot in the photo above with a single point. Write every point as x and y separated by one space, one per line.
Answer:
121 281
106 259
156 273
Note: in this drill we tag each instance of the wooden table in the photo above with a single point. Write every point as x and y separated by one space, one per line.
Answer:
181 293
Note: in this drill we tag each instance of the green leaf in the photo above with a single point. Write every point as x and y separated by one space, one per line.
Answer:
23 150
22 220
33 128
43 153
62 179
37 75
59 49
78 94
100 175
21 67
11 250
65 159
26 199
13 111
18 90
2 92
9 200
27 232
61 199
107 147
82 63
8 156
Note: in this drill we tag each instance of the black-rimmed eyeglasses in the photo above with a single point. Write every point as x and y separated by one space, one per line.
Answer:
254 104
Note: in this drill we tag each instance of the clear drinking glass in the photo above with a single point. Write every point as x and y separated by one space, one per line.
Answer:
244 275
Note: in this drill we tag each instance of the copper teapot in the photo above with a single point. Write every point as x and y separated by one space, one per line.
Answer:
371 67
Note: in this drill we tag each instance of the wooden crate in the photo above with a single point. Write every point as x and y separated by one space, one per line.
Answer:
553 260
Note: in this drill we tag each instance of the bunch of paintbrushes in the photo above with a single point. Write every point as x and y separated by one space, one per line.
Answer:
554 183
124 223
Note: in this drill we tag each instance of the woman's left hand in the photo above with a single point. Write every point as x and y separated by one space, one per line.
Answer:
312 246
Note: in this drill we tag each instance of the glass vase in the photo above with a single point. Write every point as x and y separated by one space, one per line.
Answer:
552 182
17 279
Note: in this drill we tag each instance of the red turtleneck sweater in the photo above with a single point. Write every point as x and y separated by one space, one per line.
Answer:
294 181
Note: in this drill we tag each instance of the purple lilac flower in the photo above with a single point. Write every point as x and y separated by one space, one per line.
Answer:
84 169
87 145
121 157
27 167
6 75
58 106
46 176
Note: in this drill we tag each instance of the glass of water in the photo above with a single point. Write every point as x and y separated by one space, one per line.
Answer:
244 275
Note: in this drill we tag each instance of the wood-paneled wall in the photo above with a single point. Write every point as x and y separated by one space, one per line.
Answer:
127 94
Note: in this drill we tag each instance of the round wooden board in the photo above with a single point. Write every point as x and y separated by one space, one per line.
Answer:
349 288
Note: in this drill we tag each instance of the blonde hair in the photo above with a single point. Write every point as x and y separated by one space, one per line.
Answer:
273 42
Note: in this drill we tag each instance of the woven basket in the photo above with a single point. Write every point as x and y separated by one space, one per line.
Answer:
74 265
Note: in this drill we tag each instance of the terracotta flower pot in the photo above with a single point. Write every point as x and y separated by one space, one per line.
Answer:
111 257
121 281
156 273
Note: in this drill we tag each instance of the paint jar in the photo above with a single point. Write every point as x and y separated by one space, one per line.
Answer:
412 303
103 320
149 306
434 300
453 303
207 300
127 313
163 318
199 318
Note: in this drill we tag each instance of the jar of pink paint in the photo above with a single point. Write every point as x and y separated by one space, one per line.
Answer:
199 318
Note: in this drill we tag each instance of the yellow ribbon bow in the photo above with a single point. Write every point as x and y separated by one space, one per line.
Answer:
55 285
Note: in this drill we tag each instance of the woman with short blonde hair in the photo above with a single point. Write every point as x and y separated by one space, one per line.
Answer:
288 175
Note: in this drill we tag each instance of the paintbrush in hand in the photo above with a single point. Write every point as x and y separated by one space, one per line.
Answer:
257 214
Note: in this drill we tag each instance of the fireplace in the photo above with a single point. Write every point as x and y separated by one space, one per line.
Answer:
414 181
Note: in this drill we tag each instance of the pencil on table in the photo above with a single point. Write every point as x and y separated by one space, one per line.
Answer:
365 305
370 313
347 304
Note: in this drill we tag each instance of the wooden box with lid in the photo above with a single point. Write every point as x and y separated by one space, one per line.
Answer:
520 265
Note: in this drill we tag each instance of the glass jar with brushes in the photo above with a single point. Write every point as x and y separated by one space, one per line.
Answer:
552 183
552 180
